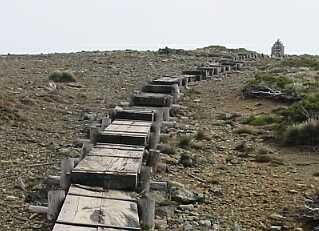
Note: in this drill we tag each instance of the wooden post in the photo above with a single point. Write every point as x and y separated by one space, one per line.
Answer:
66 169
55 201
86 148
145 178
154 159
165 114
159 116
176 92
52 180
93 134
159 185
106 121
38 209
155 135
147 212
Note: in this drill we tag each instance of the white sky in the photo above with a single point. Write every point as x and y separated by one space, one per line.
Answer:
42 26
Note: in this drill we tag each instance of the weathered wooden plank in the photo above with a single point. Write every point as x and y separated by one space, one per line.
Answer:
135 115
90 211
152 99
164 89
167 81
76 227
123 138
123 153
132 123
62 227
106 164
82 190
106 180
128 129
120 147
109 172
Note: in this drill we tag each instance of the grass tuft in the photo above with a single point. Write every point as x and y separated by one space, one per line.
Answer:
305 133
62 77
184 141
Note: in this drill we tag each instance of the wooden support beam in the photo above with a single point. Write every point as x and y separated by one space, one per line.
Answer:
131 114
147 212
55 201
145 178
152 99
153 160
94 131
158 185
38 209
66 169
52 180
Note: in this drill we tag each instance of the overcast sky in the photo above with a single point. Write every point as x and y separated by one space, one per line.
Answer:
42 26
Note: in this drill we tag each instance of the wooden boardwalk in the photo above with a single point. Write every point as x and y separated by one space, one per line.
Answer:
101 187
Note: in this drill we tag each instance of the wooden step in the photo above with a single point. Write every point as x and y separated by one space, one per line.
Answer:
93 209
113 167
147 115
152 99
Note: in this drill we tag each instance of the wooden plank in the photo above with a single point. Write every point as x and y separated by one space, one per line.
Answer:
97 192
123 153
123 138
167 81
62 227
120 147
90 211
164 89
106 164
152 99
132 122
135 115
69 226
108 172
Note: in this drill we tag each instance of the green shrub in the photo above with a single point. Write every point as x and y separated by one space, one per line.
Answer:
302 110
184 141
166 149
305 133
263 158
62 77
270 80
260 120
302 61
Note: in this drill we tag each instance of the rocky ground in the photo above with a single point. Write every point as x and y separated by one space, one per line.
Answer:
248 183
228 175
40 124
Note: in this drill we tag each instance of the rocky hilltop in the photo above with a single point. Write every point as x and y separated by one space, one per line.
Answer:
233 159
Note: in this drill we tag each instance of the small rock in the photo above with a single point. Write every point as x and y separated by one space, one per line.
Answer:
185 196
161 224
275 228
276 216
186 207
165 211
188 227
205 223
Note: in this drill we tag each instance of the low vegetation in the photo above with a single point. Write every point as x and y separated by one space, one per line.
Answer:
62 77
184 141
260 120
305 133
302 61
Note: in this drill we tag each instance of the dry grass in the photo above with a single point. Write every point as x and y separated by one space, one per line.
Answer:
305 133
